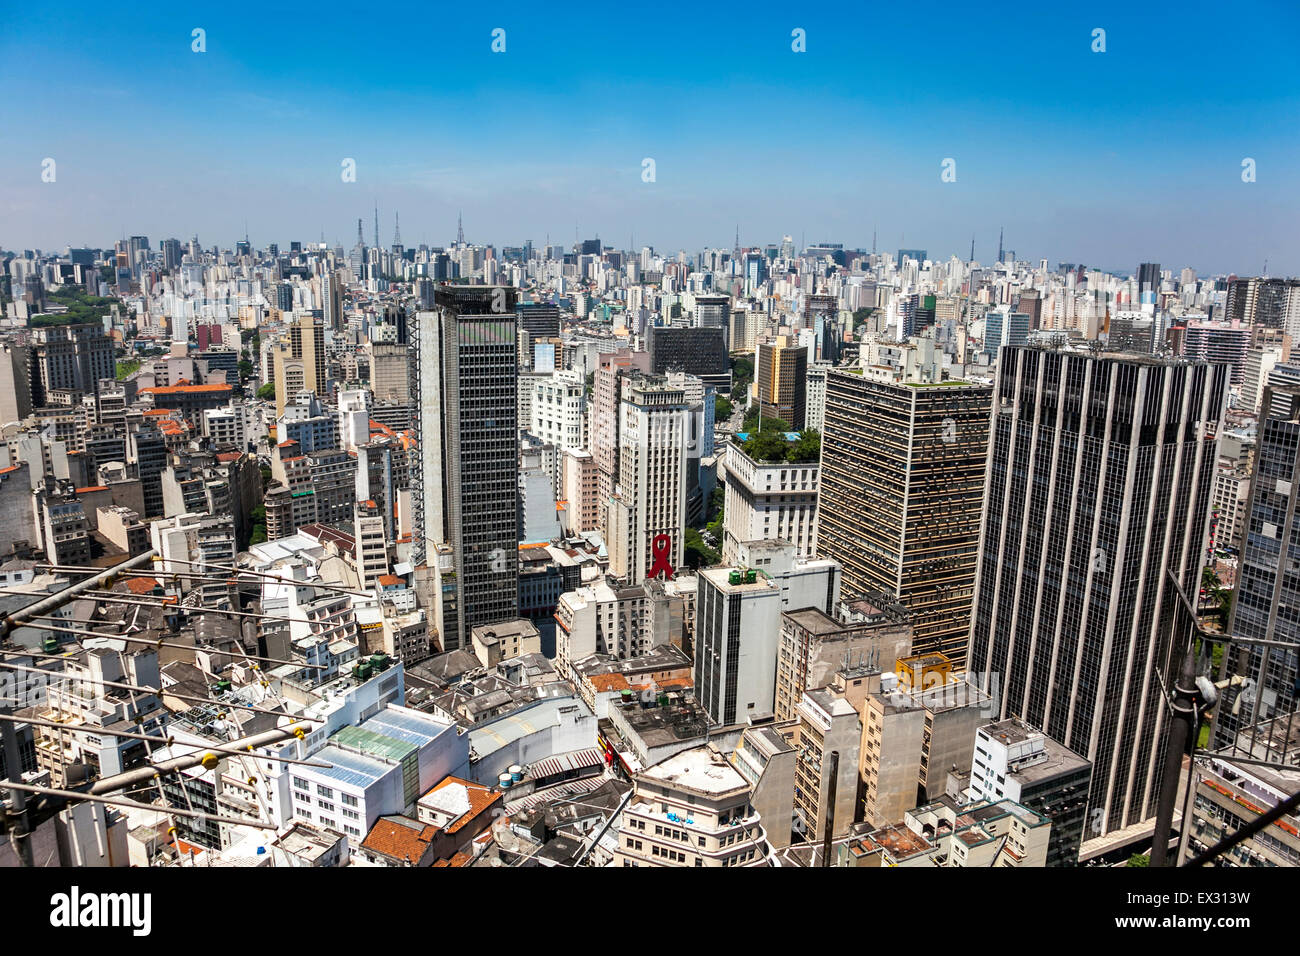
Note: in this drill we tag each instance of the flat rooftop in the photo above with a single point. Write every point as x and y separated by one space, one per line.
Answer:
699 769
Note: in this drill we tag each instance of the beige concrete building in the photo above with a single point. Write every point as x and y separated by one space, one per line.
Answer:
692 809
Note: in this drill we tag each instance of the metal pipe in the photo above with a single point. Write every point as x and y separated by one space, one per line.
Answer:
1181 722
1251 828
129 777
70 593
156 691
135 805
153 738
161 643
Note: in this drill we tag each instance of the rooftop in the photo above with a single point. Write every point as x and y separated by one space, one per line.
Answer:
700 769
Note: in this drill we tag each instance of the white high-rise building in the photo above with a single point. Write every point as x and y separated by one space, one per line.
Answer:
647 514
558 412
769 501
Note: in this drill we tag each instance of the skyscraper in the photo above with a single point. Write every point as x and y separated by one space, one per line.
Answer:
331 291
299 360
1267 604
1148 278
647 514
781 377
902 483
466 481
1100 472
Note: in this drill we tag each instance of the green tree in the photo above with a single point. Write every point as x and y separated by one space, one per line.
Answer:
768 444
697 554
246 370
722 408
807 449
266 392
1139 859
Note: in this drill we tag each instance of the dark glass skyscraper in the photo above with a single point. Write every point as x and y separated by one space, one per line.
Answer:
466 482
1267 605
1100 472
901 487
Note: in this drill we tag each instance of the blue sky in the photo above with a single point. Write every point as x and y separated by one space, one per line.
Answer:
1103 158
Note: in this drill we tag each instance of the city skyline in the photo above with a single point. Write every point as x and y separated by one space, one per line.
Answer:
1064 147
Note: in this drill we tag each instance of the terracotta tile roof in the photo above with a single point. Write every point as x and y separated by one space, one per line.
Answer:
186 389
479 796
226 456
608 682
388 580
399 838
141 585
460 859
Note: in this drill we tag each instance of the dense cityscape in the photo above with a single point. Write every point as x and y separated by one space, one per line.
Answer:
571 555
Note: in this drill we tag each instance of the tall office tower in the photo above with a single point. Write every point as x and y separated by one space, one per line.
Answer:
698 352
1148 280
818 307
1004 328
647 514
1267 604
390 372
71 357
1216 342
357 257
284 297
1271 303
171 252
466 482
1030 302
138 252
1260 362
331 292
714 312
541 320
815 398
607 394
781 380
902 483
1100 472
299 360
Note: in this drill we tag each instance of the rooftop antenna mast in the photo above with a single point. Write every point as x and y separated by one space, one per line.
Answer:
397 231
376 225
460 230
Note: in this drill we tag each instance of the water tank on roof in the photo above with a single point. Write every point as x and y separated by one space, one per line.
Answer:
504 780
516 773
